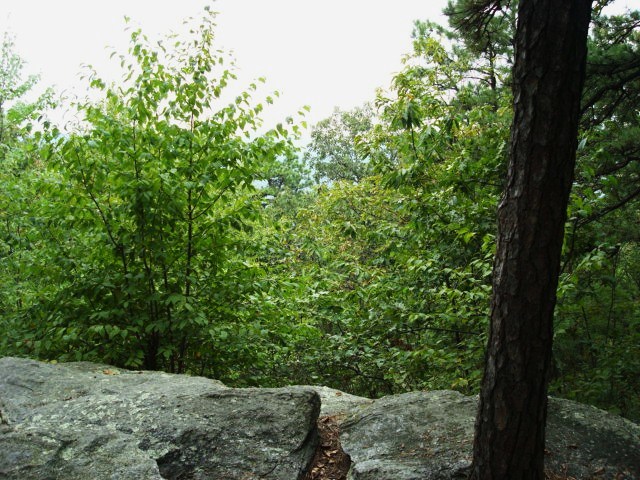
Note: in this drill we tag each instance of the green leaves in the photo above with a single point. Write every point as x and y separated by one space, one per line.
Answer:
334 153
154 190
173 231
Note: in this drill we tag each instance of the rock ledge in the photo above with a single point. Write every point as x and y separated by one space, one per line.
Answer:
82 420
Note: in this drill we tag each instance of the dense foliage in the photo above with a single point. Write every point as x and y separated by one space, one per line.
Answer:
144 202
170 230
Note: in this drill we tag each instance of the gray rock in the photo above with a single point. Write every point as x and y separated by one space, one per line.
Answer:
412 436
429 435
587 442
339 404
81 420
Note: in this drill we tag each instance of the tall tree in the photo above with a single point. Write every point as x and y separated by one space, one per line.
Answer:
20 170
333 152
155 189
549 70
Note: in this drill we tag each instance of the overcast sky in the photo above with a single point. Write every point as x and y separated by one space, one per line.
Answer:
322 53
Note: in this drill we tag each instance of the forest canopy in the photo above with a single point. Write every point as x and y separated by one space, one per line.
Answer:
172 229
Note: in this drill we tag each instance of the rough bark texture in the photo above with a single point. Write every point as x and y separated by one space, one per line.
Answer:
548 77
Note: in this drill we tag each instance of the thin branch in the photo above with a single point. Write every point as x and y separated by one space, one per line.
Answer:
610 208
439 329
477 14
608 170
98 208
600 93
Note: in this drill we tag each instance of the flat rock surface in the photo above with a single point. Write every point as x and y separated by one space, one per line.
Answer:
586 442
418 435
82 420
429 436
339 404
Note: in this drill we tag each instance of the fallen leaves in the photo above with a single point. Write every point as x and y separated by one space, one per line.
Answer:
330 462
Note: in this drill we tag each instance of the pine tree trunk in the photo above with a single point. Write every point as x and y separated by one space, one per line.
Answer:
548 77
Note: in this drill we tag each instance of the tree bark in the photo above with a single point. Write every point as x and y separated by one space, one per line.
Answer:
549 74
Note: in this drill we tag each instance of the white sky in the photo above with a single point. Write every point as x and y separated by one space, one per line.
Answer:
321 53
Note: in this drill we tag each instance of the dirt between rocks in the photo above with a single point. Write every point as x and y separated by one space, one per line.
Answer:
330 462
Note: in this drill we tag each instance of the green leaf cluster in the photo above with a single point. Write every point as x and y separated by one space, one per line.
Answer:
145 206
171 230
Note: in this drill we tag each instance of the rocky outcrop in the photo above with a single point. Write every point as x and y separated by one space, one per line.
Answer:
419 435
85 421
339 404
88 421
429 436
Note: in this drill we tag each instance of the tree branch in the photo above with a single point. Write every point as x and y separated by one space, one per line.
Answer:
609 208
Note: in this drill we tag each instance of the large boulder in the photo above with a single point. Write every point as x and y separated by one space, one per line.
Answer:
429 436
335 403
82 420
